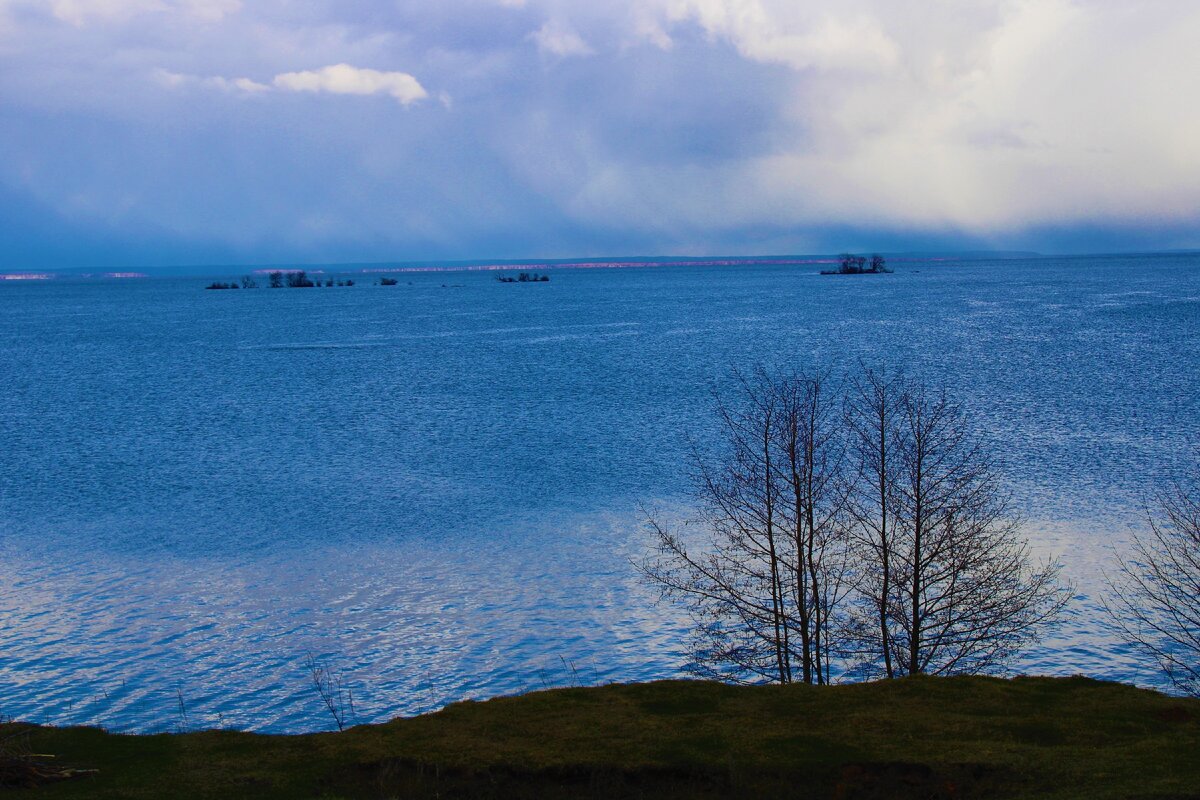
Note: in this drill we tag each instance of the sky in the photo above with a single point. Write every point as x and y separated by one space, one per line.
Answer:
169 132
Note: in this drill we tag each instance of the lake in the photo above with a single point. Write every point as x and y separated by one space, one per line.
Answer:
436 487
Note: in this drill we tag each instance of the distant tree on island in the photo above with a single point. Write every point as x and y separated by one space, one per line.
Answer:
524 277
278 279
299 280
849 264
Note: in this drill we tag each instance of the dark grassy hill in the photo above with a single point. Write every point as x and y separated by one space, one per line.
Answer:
913 738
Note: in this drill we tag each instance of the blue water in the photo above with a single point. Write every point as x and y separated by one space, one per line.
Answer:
436 486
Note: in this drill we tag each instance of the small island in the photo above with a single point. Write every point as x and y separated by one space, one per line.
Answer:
292 279
524 277
857 265
248 282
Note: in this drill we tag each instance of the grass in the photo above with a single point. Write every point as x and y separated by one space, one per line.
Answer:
911 738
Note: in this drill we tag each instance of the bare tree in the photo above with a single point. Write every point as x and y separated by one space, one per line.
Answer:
1154 598
336 696
763 589
919 530
964 593
872 409
733 588
811 465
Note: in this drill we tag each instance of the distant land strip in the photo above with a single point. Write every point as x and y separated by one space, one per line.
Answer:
725 262
347 268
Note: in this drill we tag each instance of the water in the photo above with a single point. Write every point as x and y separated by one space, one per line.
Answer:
435 487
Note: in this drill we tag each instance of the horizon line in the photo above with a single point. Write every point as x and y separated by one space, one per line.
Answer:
118 271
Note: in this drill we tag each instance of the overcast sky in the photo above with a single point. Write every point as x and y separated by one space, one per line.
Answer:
147 132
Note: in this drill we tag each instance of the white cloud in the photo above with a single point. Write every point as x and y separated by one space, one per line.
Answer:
247 85
984 117
335 79
817 35
559 39
345 79
646 27
242 85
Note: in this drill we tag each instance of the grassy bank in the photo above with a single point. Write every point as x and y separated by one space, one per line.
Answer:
924 737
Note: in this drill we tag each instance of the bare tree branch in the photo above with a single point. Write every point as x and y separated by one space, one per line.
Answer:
1154 597
763 591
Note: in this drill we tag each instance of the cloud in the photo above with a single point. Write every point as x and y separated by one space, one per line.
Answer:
242 85
80 12
335 79
646 27
212 10
345 79
800 35
557 38
690 124
247 85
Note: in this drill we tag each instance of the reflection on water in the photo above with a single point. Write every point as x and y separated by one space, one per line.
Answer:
112 640
437 490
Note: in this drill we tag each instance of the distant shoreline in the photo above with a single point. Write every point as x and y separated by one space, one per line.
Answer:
485 265
24 274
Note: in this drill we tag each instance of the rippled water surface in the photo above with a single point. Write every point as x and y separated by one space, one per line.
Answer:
436 486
